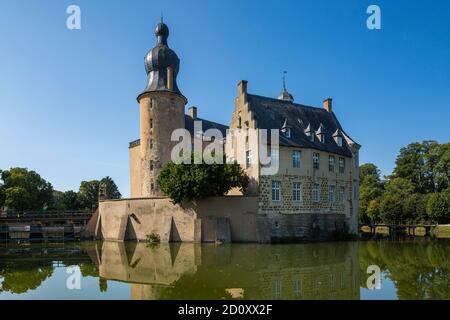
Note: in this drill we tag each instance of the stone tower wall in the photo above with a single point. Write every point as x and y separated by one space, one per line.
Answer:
160 114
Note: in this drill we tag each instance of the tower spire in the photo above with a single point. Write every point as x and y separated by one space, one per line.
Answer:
285 95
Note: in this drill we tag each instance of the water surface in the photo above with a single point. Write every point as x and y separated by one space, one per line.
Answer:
414 269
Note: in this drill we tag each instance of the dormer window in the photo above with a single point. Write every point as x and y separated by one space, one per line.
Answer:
287 133
338 138
321 133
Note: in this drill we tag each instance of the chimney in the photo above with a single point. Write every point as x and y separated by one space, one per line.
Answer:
242 87
192 111
327 104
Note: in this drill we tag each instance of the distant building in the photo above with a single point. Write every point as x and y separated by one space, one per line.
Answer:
313 194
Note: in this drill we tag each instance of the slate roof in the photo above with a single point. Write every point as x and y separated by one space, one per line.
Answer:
274 114
206 124
189 125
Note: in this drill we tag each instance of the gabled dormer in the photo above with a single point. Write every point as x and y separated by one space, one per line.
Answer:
321 133
338 137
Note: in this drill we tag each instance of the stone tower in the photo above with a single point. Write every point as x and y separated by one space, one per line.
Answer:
161 111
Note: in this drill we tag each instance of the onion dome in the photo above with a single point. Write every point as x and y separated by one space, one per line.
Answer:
162 64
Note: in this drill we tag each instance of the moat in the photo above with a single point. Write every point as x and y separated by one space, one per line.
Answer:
410 269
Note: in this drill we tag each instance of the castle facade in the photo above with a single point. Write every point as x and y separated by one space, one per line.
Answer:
312 195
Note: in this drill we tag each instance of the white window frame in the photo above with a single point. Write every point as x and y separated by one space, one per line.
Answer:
296 159
276 191
296 192
331 193
316 192
316 160
274 156
331 163
339 141
342 195
341 165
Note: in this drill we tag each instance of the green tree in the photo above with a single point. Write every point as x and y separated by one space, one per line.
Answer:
112 190
88 192
415 164
392 202
25 190
439 157
438 206
370 188
373 211
186 182
70 200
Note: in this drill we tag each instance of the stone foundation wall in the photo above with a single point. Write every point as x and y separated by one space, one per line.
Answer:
306 226
224 219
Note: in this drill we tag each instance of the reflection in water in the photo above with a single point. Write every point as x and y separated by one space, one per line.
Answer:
191 271
419 270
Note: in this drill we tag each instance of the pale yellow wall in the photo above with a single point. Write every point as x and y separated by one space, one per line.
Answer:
305 175
135 171
160 114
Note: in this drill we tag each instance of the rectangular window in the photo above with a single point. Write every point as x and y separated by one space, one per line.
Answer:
275 190
341 195
339 141
248 158
151 123
315 192
341 165
274 156
355 160
151 165
354 192
316 159
298 287
296 159
151 143
276 289
297 192
331 163
331 190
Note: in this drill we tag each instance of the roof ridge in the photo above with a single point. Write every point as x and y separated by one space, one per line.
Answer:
286 102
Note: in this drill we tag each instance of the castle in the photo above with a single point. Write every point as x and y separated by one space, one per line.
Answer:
312 195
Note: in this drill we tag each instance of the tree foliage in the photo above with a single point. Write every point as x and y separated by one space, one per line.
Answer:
417 191
370 192
88 192
438 207
24 190
186 182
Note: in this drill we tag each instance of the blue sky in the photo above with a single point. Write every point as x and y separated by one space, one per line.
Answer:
68 98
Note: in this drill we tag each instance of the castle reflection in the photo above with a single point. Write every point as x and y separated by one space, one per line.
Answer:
201 271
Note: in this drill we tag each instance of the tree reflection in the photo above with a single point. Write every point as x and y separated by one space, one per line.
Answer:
419 269
23 277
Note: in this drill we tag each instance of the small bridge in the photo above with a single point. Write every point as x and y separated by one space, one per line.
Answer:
409 229
45 225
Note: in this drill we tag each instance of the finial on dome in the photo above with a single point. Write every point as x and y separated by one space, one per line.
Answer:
285 96
162 32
